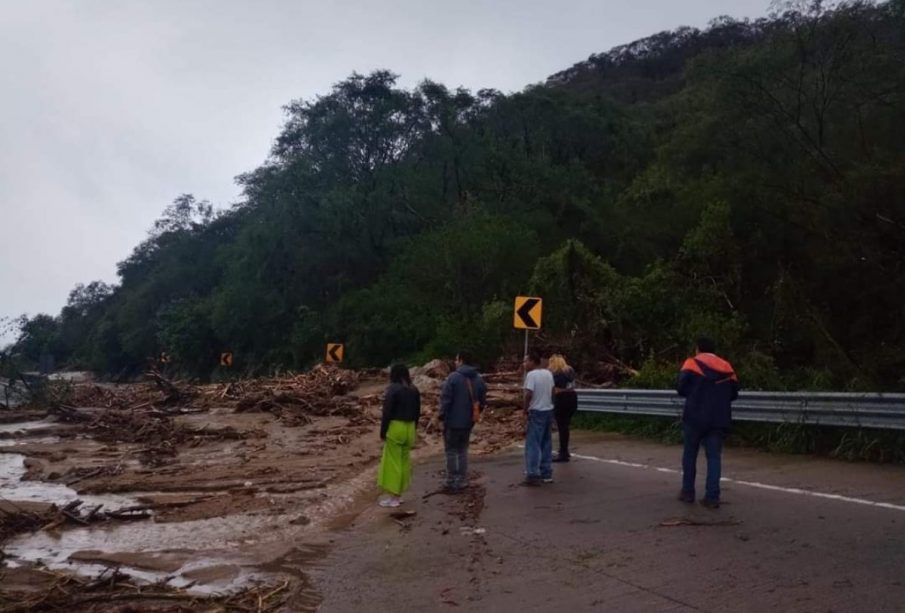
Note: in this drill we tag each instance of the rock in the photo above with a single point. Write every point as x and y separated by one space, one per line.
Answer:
426 384
435 369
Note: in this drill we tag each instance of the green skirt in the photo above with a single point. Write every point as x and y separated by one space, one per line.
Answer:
395 472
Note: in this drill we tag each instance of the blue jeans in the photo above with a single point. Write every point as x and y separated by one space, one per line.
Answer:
456 440
712 439
539 445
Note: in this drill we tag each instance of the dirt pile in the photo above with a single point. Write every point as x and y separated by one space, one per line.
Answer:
502 423
295 400
146 413
320 392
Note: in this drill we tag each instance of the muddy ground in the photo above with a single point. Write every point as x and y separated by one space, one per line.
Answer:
165 496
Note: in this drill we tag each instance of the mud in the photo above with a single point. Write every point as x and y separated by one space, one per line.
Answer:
246 484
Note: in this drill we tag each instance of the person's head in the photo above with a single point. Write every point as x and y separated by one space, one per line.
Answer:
533 360
705 344
463 358
399 373
557 363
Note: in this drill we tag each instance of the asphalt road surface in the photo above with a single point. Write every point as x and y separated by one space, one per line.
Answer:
794 534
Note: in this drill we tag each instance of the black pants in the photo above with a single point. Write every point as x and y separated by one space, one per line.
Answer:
565 404
456 440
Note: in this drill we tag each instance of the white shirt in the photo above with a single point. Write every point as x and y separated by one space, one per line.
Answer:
540 383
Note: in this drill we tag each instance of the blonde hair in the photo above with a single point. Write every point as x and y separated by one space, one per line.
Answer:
557 363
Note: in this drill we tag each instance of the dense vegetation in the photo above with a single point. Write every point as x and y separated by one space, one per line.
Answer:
747 180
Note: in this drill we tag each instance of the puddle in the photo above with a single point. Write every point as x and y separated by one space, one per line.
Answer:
36 440
12 487
207 576
206 556
23 428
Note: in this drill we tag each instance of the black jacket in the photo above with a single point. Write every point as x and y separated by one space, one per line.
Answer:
709 385
400 402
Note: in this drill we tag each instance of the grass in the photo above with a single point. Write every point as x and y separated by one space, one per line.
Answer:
850 444
662 429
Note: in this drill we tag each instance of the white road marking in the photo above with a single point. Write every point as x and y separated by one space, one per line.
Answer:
763 486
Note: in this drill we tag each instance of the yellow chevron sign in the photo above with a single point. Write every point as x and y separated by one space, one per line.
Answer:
335 353
528 311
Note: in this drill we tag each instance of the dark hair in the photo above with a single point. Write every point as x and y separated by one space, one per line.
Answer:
466 358
399 373
706 344
534 356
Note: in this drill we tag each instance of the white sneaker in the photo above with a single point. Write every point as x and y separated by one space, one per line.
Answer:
390 502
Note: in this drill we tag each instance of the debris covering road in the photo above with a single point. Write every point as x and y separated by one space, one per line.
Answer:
261 498
169 496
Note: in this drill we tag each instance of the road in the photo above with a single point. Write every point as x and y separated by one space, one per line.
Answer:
795 533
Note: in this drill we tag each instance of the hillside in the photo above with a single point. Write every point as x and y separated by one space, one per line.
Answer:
747 181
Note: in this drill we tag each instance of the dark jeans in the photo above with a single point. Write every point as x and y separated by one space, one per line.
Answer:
565 404
456 440
712 440
539 445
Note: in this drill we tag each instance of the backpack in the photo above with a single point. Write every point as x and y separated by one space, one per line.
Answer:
475 404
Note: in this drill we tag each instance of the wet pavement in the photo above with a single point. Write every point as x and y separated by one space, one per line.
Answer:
795 534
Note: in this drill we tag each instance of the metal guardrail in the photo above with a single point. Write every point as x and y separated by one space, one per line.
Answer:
886 411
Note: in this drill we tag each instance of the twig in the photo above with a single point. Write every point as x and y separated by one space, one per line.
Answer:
277 590
88 475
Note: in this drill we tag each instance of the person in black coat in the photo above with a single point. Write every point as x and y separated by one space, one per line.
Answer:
401 411
565 402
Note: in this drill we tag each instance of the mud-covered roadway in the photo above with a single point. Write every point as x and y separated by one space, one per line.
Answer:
241 486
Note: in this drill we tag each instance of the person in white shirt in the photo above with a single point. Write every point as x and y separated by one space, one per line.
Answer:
539 435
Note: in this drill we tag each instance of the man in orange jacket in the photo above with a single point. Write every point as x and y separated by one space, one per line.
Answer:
709 385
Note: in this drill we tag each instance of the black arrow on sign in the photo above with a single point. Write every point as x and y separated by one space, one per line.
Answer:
524 312
333 353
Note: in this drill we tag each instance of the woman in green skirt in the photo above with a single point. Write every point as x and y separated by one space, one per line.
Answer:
401 411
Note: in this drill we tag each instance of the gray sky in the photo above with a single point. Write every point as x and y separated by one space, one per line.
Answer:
110 109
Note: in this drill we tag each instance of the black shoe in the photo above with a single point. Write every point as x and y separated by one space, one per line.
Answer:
710 503
686 496
561 458
532 482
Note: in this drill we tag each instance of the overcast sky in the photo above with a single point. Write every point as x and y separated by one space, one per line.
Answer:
110 109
